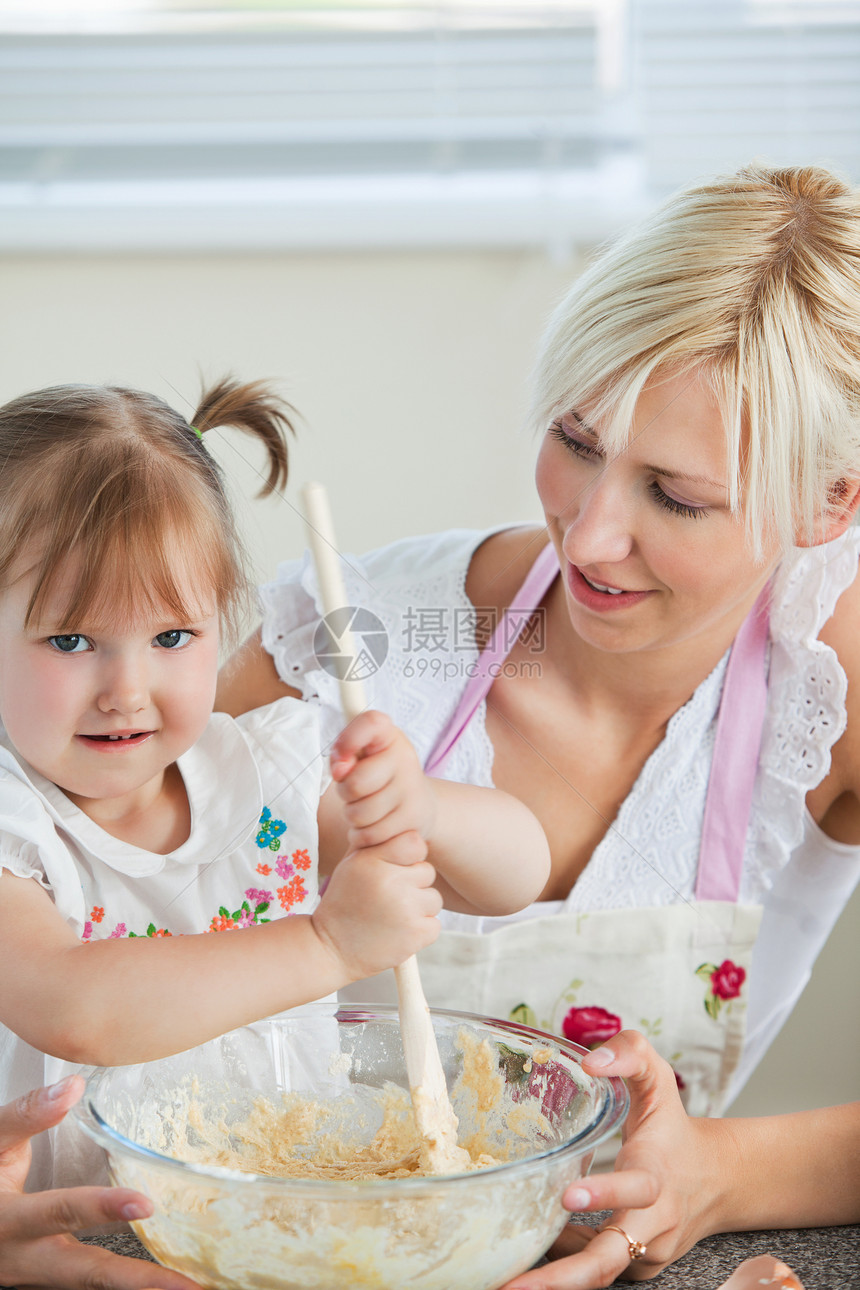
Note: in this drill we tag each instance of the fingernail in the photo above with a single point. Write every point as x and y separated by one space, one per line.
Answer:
57 1090
134 1210
601 1057
579 1199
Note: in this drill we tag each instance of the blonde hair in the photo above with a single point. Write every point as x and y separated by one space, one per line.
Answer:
754 280
119 479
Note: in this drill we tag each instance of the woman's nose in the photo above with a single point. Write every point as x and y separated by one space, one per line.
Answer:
598 522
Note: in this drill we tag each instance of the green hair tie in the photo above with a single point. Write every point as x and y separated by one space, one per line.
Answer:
199 433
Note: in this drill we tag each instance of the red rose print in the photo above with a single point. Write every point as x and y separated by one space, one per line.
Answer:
590 1027
726 982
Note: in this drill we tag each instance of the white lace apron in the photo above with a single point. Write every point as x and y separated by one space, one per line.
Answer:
680 972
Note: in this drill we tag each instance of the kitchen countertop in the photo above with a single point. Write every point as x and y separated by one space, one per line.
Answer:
825 1258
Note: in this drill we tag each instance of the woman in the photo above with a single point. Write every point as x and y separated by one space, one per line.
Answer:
669 682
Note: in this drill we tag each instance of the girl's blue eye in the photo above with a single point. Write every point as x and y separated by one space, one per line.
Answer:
173 639
71 644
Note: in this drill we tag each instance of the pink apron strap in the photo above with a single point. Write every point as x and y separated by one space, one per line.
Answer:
537 582
735 760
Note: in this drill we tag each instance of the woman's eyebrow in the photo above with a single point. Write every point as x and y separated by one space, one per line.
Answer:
682 475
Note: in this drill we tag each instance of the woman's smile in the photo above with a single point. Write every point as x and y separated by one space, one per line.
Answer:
602 597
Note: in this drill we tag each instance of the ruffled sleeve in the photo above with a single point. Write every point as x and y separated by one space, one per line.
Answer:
806 702
30 847
416 590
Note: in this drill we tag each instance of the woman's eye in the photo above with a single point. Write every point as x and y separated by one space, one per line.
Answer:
571 442
173 639
71 644
675 505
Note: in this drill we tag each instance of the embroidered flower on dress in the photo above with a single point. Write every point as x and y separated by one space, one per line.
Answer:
257 895
222 923
244 916
293 893
270 831
257 899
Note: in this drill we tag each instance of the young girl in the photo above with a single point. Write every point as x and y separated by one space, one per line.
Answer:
132 821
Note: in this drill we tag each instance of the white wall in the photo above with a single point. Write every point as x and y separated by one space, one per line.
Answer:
410 371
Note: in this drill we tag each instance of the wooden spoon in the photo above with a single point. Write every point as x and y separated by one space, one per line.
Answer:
434 1115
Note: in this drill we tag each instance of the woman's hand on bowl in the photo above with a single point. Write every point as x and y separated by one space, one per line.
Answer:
36 1248
661 1193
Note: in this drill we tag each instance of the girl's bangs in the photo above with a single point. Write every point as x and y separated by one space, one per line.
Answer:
175 566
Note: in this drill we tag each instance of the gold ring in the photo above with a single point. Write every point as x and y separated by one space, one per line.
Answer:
635 1249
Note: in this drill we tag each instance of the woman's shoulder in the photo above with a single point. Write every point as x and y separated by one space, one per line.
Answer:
501 563
388 576
428 556
841 634
840 630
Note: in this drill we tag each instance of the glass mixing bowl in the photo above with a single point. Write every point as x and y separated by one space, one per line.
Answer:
235 1230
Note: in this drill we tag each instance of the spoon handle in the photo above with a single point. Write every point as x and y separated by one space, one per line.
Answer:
434 1115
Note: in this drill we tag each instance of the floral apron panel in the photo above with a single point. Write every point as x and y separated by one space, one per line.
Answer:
678 973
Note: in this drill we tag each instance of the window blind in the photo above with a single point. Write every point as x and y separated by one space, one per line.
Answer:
454 124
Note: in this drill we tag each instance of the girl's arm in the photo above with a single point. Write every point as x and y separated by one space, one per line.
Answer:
130 1000
679 1178
489 851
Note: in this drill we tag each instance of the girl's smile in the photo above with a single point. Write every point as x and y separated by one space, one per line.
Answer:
116 742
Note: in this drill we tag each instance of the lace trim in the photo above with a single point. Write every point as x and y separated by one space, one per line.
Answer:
806 704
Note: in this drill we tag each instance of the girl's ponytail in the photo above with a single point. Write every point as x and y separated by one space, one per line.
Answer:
254 407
